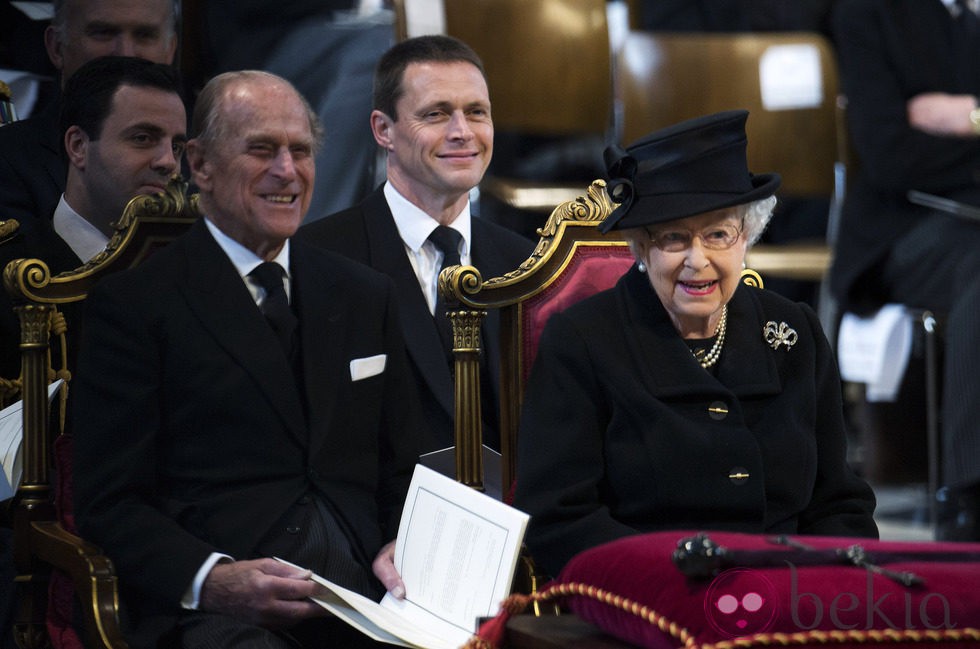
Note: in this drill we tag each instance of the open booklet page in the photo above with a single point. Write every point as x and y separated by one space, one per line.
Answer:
11 442
456 551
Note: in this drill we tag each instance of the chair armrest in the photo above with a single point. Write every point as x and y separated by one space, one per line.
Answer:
92 575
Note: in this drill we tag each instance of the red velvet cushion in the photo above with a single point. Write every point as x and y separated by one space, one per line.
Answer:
631 589
592 269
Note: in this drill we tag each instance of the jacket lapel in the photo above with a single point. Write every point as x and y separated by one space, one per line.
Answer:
322 309
218 297
421 338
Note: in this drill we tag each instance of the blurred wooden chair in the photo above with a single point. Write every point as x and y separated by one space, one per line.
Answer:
571 261
787 82
48 556
549 73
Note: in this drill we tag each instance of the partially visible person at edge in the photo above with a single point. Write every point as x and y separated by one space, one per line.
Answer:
683 398
916 126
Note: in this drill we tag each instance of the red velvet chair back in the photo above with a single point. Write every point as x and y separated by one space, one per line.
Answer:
592 267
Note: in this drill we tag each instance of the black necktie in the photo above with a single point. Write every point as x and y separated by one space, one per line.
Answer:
447 241
275 305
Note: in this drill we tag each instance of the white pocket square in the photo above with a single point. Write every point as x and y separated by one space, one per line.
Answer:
362 368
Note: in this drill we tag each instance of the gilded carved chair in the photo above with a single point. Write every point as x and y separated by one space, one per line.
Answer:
571 261
51 561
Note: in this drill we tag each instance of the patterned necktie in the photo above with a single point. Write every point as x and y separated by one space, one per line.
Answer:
275 305
447 241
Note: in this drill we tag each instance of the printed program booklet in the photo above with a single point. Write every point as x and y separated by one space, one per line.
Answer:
456 551
12 442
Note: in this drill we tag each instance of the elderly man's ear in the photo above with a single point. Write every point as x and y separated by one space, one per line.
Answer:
201 169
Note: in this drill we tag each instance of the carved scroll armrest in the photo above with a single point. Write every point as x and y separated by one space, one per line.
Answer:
91 573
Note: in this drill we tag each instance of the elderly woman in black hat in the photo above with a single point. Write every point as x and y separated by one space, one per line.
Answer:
682 398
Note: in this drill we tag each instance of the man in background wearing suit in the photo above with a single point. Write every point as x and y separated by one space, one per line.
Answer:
911 73
33 167
124 128
432 117
242 396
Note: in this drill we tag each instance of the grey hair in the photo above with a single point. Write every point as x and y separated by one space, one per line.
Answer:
755 217
208 128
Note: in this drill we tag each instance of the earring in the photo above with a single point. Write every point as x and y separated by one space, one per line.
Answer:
640 266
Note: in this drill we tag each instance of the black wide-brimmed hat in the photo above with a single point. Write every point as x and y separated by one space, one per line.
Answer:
689 168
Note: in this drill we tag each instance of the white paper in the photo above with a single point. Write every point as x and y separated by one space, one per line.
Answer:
875 350
424 17
789 77
36 10
456 552
11 441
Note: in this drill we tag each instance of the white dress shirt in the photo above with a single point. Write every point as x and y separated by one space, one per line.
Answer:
82 237
414 227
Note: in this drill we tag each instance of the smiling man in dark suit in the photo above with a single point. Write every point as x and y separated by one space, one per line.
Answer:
241 396
432 118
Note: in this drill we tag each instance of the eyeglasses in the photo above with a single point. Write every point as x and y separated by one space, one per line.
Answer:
715 237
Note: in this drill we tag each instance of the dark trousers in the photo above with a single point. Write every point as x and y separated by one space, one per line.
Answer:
936 265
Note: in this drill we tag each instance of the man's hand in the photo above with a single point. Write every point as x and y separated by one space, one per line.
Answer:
938 113
384 570
261 591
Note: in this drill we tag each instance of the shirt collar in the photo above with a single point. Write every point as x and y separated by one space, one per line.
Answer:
244 259
415 226
84 239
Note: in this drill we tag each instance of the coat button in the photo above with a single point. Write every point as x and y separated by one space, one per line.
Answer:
293 529
738 475
718 410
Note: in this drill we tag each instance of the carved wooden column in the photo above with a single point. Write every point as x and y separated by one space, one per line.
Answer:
468 423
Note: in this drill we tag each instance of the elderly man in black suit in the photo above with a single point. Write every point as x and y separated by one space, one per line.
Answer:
432 117
242 396
33 166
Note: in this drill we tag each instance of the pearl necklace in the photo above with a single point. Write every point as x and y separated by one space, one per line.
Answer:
711 357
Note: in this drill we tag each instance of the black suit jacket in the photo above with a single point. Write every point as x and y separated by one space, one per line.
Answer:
890 51
191 435
367 233
33 169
